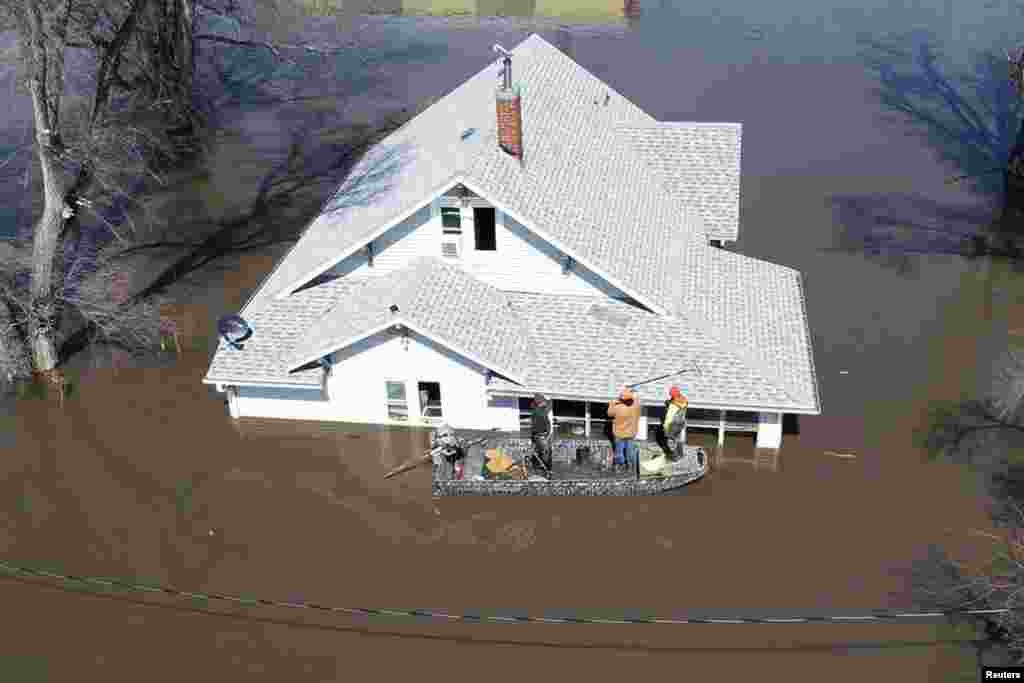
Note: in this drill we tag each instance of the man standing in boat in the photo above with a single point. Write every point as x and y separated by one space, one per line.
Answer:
674 425
625 414
541 428
448 453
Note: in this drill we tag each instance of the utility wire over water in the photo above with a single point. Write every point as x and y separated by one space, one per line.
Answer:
879 616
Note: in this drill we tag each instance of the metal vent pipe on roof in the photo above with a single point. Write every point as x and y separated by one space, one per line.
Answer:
506 70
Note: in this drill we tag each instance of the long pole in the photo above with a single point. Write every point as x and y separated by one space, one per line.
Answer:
655 379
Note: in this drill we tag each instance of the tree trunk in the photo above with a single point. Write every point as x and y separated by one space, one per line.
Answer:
45 242
1011 221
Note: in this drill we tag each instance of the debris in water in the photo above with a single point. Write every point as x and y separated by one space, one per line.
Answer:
840 455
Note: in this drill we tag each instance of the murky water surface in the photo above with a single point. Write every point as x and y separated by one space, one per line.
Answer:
143 475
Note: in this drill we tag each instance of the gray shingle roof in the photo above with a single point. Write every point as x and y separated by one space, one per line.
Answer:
758 309
438 298
591 346
701 164
276 329
581 183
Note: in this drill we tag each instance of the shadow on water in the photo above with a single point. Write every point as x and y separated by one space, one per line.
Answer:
970 121
891 229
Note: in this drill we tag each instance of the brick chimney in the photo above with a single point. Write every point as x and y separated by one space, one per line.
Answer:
510 116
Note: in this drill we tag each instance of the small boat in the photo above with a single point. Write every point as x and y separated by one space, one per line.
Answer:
580 467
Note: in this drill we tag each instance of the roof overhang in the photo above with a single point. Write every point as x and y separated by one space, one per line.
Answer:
270 385
402 322
338 258
594 398
660 310
434 194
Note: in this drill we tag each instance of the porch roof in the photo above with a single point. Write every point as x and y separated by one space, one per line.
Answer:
588 347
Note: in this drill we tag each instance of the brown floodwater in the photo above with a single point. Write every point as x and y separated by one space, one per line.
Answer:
140 465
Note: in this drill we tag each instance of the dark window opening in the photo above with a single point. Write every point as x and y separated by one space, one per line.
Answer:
741 416
525 413
483 222
430 399
451 220
703 415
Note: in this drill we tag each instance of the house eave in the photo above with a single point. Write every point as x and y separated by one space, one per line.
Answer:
344 254
594 398
221 384
629 291
401 321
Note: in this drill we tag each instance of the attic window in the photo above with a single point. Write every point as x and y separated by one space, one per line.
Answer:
451 220
567 264
468 133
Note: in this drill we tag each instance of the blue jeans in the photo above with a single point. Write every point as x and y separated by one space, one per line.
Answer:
625 451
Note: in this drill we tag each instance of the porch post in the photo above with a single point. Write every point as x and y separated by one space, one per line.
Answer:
641 430
769 430
232 392
721 428
586 419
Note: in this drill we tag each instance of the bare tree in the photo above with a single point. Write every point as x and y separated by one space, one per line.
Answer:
99 151
89 149
994 585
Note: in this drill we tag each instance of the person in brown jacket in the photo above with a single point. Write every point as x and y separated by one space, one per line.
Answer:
625 414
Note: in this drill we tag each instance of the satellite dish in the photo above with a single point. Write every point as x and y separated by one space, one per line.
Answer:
234 330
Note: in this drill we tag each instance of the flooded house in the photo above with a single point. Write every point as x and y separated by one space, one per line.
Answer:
532 231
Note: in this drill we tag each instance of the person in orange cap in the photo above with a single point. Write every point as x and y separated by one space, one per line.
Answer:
674 425
625 414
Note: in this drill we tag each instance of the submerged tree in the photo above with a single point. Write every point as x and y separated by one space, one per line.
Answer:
117 107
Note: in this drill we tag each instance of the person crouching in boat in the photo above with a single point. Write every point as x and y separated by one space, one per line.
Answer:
541 428
625 414
449 454
674 425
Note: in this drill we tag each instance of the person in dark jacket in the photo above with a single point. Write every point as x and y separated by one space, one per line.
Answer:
449 455
541 428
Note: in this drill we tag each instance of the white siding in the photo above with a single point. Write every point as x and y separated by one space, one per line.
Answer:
395 248
521 262
357 383
356 389
297 404
769 430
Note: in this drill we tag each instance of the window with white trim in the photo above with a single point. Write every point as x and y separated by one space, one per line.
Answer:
398 404
451 220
